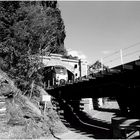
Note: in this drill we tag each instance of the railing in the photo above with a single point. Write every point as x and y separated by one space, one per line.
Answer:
122 56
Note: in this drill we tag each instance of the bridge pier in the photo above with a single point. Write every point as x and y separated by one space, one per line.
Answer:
86 104
95 103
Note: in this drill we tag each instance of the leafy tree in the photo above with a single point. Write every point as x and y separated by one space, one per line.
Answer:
96 67
70 57
29 29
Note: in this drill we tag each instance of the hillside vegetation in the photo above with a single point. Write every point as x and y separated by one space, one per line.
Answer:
28 29
24 118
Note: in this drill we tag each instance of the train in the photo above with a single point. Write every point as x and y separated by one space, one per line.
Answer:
56 75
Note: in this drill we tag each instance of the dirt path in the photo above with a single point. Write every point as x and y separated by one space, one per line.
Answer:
72 135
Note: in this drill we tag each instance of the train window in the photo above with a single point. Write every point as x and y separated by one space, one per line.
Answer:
60 70
75 66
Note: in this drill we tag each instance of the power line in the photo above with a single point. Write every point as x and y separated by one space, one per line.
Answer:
112 60
123 56
111 54
131 53
131 46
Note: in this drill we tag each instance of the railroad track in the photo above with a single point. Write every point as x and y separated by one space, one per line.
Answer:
80 122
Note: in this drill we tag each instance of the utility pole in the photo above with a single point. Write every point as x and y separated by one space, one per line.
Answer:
121 54
80 72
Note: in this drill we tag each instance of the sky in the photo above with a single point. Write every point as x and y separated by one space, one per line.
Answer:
96 29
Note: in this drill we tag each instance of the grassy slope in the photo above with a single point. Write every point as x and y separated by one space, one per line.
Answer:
23 118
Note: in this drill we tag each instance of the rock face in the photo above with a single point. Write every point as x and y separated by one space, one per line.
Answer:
20 111
6 85
2 109
9 90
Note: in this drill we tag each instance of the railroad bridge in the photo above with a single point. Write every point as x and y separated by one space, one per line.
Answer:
121 82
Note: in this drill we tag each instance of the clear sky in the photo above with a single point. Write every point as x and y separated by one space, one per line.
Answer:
98 28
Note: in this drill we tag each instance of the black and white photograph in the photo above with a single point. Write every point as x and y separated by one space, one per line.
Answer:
69 69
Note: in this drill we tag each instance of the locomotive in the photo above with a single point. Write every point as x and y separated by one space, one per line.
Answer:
55 75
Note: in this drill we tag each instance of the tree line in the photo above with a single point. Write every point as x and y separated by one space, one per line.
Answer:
29 28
